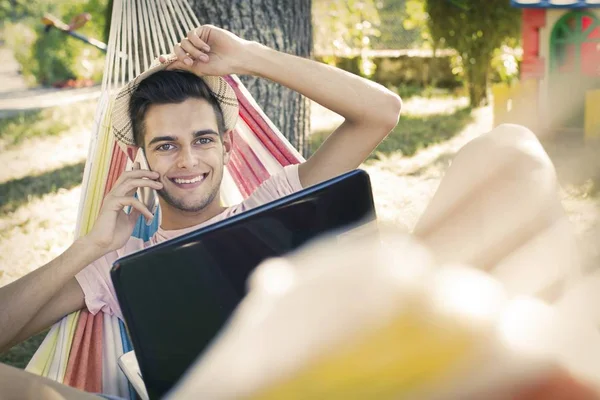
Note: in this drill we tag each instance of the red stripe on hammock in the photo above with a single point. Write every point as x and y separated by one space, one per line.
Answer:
122 164
114 161
261 128
254 164
242 179
84 368
118 163
263 138
249 181
236 178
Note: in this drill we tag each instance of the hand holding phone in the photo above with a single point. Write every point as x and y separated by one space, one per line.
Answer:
120 210
147 195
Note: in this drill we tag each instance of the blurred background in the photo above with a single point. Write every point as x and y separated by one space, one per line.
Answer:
461 67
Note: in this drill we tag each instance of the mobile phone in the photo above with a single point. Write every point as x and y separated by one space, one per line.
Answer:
147 195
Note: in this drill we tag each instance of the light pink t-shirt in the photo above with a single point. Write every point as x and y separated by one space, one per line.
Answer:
95 278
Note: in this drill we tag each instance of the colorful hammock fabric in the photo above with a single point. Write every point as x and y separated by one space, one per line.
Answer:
82 350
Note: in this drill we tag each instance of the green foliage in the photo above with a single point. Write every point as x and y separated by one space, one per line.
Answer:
52 57
346 28
19 37
337 26
505 63
475 29
16 10
416 20
342 27
400 26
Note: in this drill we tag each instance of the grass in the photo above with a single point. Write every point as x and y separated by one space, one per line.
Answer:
51 121
23 127
408 91
17 192
414 133
26 125
18 356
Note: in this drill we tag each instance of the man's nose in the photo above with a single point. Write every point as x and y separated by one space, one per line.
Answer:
187 159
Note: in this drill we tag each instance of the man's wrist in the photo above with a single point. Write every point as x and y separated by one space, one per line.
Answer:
88 248
250 61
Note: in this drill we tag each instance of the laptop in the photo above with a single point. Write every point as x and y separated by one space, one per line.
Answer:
177 295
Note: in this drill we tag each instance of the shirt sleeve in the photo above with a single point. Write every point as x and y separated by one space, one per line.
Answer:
278 185
96 284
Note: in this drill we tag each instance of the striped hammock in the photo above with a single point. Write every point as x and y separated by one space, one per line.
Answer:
82 349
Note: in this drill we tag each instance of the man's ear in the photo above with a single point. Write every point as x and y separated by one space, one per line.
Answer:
227 145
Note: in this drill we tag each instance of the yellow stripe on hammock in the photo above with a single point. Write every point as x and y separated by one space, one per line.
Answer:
41 362
42 359
98 174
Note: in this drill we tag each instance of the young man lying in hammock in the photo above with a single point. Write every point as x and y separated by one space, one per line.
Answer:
498 195
185 133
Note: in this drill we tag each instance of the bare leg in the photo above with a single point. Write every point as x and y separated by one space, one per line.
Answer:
18 384
498 209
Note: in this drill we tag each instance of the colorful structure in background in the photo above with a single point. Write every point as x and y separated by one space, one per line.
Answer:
560 71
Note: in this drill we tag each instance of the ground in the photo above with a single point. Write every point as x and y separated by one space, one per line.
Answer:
42 167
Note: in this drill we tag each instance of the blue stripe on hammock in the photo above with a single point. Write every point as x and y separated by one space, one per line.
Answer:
143 231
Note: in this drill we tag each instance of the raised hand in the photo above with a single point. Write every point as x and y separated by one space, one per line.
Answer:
209 50
114 226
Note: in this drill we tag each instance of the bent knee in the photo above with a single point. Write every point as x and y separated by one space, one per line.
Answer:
513 146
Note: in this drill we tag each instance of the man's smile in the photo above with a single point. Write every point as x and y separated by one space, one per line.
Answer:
189 181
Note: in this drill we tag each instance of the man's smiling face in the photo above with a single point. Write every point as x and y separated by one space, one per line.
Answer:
182 143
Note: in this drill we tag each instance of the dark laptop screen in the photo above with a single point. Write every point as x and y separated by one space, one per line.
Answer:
176 296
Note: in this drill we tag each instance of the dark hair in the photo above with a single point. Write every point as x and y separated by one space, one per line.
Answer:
167 87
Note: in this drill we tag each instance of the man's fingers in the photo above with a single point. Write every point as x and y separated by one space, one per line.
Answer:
137 173
130 186
203 32
181 55
177 65
135 204
197 42
193 52
134 214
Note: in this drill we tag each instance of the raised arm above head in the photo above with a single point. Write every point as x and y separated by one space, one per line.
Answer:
370 111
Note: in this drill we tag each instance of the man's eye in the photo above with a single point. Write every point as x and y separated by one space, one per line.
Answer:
204 140
164 147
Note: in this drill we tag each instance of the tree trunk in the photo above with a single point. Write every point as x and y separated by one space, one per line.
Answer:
477 78
284 25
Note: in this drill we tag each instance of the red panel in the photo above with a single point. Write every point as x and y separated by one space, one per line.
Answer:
532 65
531 42
586 22
590 59
595 34
534 17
